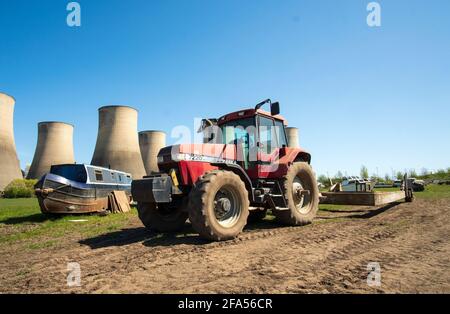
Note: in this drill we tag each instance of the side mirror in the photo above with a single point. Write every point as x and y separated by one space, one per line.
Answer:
275 108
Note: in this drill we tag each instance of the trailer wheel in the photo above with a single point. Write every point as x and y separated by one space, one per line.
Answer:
218 206
162 218
301 194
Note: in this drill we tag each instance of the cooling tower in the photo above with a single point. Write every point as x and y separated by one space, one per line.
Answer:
9 163
292 135
54 147
117 141
151 143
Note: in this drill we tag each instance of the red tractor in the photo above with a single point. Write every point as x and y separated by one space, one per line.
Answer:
246 170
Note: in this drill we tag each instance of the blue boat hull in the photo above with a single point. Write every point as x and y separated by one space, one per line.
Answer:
58 195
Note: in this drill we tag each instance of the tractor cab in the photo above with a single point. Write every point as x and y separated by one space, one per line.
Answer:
258 135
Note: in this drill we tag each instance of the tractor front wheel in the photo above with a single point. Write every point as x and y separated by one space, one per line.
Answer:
301 194
218 206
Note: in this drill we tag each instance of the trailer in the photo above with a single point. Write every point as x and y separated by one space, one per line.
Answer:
370 198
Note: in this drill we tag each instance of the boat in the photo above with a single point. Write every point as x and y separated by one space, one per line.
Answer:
80 188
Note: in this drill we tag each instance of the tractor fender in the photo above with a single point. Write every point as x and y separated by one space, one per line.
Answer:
291 155
303 156
237 169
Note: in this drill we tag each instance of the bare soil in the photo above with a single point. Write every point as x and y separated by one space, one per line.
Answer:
410 241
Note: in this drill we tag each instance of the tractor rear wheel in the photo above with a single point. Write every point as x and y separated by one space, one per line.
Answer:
218 206
162 217
301 193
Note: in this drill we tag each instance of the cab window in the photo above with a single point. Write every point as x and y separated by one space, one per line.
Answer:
281 135
243 134
267 135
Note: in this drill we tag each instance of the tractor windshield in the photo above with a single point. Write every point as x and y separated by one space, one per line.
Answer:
241 133
237 131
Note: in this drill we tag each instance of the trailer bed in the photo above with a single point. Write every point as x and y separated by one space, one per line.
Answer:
361 198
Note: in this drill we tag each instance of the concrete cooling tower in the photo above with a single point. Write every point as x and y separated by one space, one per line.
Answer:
293 138
9 163
117 141
151 143
54 147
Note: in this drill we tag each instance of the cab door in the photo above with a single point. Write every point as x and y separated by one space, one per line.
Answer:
243 134
268 147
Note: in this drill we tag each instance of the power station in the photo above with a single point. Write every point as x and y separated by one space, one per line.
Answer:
293 137
117 141
9 163
54 147
151 143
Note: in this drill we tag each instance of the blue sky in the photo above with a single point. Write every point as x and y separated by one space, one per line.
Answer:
359 95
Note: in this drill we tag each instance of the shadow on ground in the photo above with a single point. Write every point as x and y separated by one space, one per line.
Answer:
188 236
361 213
40 218
345 210
147 237
35 218
153 239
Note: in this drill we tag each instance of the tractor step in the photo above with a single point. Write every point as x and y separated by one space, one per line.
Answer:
282 208
278 200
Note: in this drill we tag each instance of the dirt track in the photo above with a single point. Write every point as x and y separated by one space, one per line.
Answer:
410 241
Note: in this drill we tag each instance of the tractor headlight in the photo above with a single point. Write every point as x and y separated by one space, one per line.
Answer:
176 157
180 157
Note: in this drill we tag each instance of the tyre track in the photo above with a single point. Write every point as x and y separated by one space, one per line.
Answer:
409 240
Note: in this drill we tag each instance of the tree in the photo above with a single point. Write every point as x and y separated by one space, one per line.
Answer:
399 175
374 178
364 173
412 173
424 172
441 174
324 180
339 175
387 178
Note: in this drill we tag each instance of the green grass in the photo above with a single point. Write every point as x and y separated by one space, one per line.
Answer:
331 207
22 220
432 191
